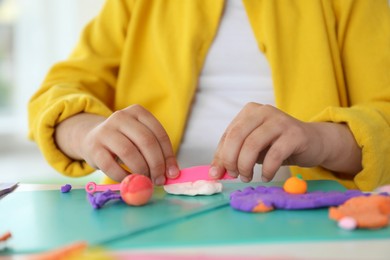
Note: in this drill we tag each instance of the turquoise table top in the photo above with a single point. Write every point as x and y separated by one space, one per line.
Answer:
43 220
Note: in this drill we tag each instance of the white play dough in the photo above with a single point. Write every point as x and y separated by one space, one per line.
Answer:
194 188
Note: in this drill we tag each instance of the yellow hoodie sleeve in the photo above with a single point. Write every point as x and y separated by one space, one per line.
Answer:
364 40
83 83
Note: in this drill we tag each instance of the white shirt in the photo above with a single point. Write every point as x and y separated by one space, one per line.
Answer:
235 72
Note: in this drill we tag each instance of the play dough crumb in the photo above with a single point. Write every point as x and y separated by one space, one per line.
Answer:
370 212
261 208
4 237
347 223
99 199
66 188
200 187
295 185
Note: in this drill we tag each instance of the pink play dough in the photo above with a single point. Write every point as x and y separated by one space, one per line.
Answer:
136 189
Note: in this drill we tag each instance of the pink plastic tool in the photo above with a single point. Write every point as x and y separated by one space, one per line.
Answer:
191 174
92 187
196 173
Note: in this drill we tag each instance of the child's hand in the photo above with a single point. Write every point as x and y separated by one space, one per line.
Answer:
263 134
132 136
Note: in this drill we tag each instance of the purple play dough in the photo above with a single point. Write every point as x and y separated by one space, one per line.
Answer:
277 198
66 188
98 200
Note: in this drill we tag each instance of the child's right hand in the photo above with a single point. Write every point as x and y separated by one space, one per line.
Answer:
132 136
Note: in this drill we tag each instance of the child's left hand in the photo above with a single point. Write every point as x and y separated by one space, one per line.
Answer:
266 135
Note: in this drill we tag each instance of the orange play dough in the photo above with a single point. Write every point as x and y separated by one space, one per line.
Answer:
136 189
295 185
262 208
368 211
5 236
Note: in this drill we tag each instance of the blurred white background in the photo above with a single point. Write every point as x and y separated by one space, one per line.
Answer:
34 34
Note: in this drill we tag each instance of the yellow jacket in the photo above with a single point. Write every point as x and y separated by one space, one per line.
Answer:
330 61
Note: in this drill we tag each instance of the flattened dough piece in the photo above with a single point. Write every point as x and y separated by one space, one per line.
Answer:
200 187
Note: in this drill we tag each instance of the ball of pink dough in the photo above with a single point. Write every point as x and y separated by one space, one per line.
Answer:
136 189
347 223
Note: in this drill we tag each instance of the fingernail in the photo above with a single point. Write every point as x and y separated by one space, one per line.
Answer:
244 179
213 172
160 181
232 174
173 171
264 179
